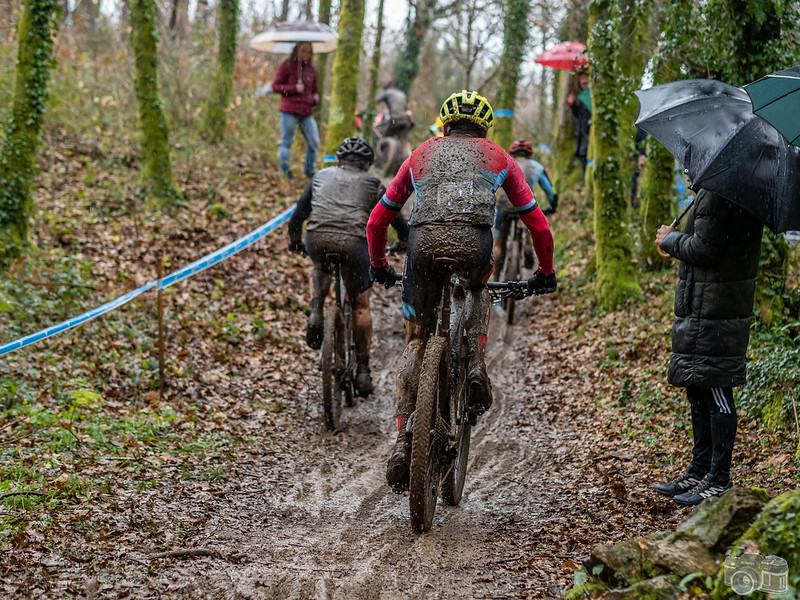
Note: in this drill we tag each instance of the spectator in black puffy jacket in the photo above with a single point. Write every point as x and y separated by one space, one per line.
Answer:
718 256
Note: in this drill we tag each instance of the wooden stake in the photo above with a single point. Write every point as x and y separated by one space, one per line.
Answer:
160 271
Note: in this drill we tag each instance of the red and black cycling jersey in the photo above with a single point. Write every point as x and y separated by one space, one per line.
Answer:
454 180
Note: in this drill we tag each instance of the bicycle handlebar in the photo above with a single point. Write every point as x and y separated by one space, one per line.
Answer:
499 289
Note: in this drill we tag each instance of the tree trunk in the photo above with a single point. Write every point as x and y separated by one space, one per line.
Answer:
515 38
179 19
156 176
345 75
321 62
200 14
616 275
216 115
35 31
374 72
407 66
284 11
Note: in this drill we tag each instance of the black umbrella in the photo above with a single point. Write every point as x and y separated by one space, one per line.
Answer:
723 147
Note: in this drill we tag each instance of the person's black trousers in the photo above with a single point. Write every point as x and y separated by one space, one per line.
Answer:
714 431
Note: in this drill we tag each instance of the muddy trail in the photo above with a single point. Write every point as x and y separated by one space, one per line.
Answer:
317 520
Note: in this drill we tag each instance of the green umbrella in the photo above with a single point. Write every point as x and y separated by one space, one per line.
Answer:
776 99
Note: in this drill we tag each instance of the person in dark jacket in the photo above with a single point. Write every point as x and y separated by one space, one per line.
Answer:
719 256
398 118
337 203
581 106
296 82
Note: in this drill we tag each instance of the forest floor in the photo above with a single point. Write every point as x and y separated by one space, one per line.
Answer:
227 485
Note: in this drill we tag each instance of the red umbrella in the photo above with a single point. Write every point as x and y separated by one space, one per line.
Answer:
566 55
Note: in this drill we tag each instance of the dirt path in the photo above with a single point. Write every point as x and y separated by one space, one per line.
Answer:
320 522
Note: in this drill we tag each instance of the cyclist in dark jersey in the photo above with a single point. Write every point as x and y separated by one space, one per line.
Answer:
453 179
337 202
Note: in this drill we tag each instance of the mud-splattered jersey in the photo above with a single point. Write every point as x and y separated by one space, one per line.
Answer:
454 180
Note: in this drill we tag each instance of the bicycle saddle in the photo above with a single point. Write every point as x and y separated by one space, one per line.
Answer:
444 263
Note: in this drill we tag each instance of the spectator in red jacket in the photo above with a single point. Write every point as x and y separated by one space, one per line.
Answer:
296 82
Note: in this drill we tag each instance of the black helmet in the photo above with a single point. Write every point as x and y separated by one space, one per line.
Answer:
356 147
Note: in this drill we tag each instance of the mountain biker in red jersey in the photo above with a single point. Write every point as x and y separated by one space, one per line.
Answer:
454 179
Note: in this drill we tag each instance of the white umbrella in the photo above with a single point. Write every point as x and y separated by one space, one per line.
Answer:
281 37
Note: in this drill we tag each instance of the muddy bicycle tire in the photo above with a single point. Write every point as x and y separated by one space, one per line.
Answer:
332 350
426 449
348 358
454 472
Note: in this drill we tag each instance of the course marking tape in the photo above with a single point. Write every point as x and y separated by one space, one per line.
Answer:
330 158
504 112
171 279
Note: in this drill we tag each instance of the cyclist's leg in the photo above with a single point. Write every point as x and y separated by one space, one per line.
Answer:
421 294
478 267
308 127
355 273
321 281
502 228
288 126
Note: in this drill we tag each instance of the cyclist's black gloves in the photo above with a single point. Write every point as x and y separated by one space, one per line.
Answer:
541 283
550 210
385 275
398 246
297 247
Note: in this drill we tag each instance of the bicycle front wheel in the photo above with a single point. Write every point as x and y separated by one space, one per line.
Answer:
427 441
454 470
332 351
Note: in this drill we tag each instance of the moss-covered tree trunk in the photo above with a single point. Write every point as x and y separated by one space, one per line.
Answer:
407 66
374 72
515 39
216 113
345 75
616 275
156 176
35 31
321 62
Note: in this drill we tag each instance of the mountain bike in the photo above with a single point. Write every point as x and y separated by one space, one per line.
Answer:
513 266
337 355
441 425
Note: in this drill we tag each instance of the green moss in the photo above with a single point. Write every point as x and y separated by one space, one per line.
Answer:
772 414
515 38
216 115
156 176
23 126
616 274
590 589
345 75
657 203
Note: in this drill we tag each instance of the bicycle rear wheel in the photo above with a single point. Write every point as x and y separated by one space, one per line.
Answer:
332 350
454 471
348 358
427 441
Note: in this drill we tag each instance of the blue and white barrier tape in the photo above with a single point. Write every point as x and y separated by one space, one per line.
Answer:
504 112
330 158
173 278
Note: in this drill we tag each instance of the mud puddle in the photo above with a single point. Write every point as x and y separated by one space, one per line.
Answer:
319 521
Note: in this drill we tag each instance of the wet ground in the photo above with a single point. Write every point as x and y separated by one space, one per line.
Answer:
319 521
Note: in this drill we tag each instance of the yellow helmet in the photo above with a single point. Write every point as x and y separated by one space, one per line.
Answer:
470 106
